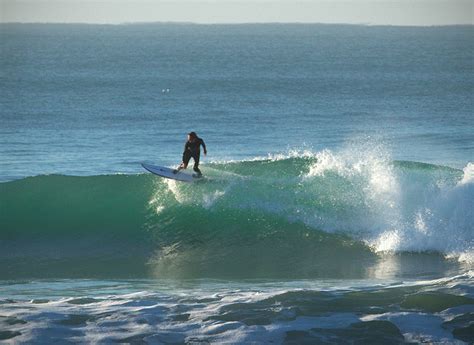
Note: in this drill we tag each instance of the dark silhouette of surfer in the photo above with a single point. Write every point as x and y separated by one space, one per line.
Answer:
192 149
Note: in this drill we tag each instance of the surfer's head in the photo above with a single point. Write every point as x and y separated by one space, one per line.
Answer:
192 135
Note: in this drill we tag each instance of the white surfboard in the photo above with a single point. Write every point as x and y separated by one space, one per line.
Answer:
168 173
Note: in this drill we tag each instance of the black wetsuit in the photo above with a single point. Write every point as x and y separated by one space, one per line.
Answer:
193 150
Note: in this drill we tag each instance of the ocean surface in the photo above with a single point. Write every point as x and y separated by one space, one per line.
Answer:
338 199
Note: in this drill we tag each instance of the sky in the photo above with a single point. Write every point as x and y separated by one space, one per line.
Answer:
371 12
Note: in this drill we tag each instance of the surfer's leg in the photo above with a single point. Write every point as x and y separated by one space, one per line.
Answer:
184 164
196 165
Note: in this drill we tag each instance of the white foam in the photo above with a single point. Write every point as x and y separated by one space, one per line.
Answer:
149 309
374 195
174 188
418 327
468 176
210 198
401 209
291 153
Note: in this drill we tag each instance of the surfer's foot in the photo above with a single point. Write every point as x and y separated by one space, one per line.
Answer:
175 171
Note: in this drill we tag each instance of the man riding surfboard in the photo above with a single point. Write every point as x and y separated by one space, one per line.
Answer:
192 149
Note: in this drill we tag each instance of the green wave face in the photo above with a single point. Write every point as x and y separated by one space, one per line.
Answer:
299 217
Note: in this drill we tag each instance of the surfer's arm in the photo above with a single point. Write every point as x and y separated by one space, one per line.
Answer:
204 147
185 149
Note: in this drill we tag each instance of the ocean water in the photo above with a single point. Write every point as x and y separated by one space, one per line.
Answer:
338 204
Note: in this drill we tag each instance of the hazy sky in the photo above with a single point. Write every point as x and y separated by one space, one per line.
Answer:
400 12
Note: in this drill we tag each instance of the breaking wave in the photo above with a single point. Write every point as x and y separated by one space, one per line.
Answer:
331 214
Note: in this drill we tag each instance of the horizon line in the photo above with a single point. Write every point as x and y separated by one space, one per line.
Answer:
231 23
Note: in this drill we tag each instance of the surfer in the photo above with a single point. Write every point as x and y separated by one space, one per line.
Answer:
192 149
